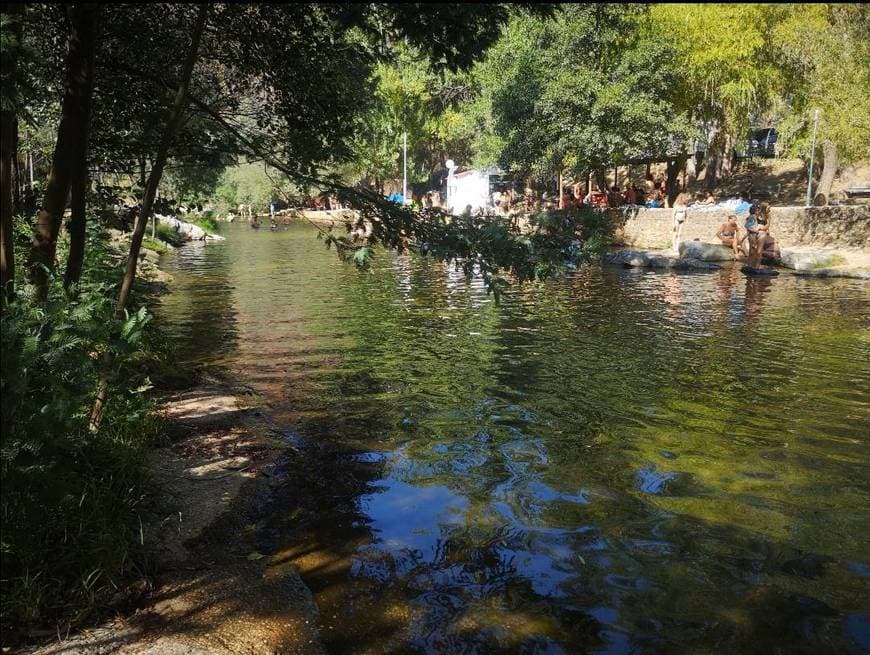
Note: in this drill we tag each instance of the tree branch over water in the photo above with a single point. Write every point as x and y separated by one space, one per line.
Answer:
490 246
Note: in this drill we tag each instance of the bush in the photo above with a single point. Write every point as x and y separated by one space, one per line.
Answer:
168 235
206 222
69 498
157 246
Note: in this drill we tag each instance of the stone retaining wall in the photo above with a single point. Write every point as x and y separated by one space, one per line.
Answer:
844 227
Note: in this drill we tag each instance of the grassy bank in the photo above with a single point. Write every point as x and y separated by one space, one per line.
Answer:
70 500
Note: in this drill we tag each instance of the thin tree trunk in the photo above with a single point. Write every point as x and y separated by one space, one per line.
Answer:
82 19
673 172
16 174
726 158
8 140
79 178
712 154
172 125
829 168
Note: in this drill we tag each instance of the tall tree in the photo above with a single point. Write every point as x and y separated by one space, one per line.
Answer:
573 94
173 122
825 50
11 44
728 70
80 180
69 145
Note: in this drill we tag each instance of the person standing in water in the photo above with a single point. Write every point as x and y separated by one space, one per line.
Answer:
681 212
751 226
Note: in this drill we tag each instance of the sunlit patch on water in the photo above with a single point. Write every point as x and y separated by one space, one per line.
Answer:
621 461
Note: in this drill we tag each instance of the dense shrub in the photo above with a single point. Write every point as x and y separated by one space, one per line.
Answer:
69 498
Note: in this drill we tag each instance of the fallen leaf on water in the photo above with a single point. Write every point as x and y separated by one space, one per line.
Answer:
255 556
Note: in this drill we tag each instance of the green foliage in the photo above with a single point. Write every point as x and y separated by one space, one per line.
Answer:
166 234
206 222
725 55
576 92
490 246
251 183
69 497
410 97
825 49
157 246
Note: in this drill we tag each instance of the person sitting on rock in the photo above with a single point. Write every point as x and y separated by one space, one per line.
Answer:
708 200
729 232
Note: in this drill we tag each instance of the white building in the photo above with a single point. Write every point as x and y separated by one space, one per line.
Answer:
469 188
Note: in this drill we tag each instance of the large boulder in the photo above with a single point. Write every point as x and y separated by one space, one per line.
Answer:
706 252
809 259
188 230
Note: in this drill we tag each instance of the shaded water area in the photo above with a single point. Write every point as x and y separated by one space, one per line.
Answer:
623 461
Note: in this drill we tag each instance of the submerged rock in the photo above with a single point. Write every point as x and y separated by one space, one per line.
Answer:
706 252
655 259
808 566
762 271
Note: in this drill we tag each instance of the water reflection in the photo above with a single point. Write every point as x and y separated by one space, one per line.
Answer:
624 461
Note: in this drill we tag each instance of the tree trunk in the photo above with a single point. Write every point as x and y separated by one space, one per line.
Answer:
561 190
172 125
690 171
82 20
829 168
726 158
712 155
16 174
8 140
674 166
79 177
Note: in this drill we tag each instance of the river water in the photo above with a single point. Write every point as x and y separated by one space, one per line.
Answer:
623 461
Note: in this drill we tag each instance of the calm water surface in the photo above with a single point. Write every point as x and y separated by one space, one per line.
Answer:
623 461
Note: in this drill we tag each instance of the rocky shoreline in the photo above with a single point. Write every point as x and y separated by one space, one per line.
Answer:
209 590
701 256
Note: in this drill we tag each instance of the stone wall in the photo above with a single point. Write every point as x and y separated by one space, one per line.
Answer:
844 226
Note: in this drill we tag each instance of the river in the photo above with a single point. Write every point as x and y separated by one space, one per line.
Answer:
622 461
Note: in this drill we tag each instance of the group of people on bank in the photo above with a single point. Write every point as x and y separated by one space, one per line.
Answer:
753 241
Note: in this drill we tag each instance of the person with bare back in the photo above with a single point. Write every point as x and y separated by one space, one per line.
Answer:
681 212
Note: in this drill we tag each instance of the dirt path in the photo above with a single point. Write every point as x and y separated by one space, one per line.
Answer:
215 593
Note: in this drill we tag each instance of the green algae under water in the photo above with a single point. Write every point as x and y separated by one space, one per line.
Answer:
619 461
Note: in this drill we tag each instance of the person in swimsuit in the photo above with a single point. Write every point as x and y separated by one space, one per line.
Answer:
728 233
751 226
681 211
709 199
767 247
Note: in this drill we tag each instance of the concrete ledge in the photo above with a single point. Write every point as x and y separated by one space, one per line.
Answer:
843 226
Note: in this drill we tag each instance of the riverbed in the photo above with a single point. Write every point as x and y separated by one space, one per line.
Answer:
621 461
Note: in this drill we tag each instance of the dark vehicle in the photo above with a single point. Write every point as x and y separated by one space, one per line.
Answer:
761 143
